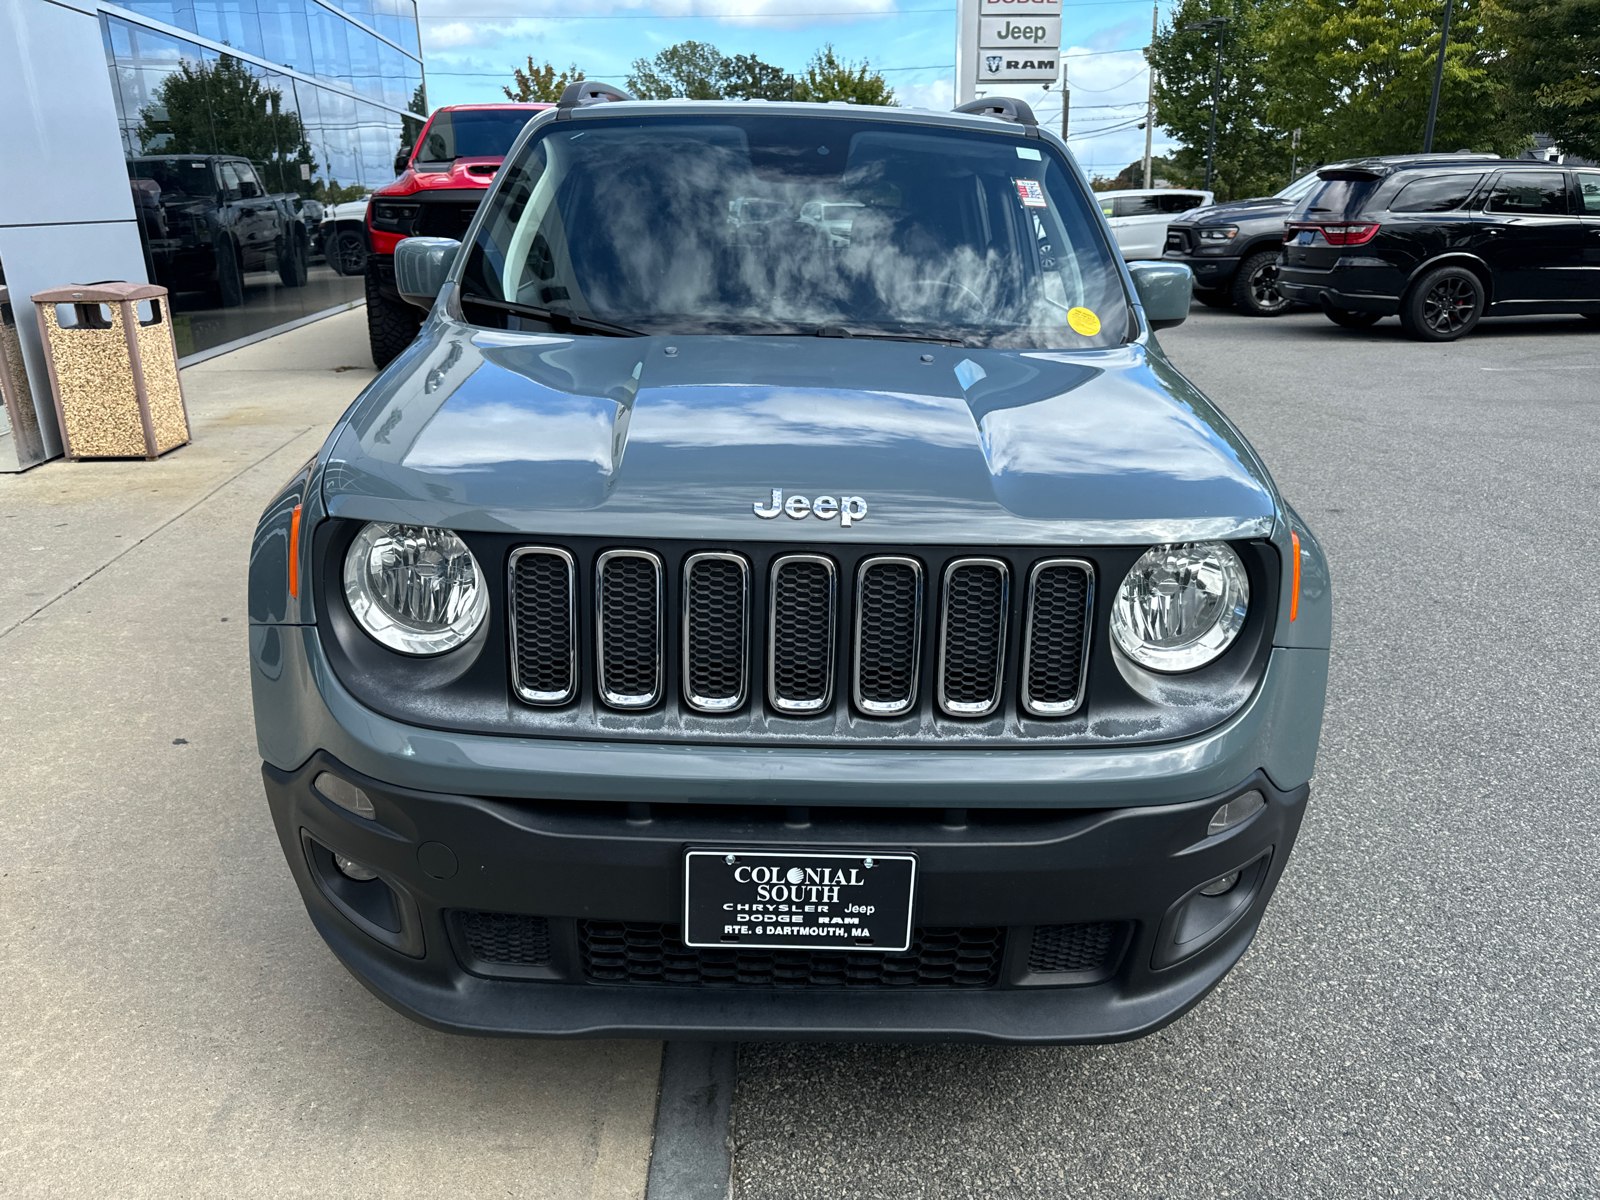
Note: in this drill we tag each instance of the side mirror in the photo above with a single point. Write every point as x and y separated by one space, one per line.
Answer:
402 160
1165 290
421 266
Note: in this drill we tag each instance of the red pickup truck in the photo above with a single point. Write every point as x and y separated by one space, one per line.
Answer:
442 179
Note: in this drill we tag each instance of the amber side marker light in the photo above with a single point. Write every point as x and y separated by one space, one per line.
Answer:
1293 594
295 556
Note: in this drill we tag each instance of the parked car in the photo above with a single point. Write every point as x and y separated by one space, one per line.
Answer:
831 217
213 221
311 213
1235 249
1139 218
1445 240
699 637
441 180
344 236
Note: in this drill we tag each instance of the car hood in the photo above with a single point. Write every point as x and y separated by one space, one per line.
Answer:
1237 210
688 436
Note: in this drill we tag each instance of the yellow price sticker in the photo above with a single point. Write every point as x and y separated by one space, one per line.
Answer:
1084 321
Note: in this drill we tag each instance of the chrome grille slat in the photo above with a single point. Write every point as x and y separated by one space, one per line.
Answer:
544 625
974 607
716 616
1055 649
888 635
628 628
802 620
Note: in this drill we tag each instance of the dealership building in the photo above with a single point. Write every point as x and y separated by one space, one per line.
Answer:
197 144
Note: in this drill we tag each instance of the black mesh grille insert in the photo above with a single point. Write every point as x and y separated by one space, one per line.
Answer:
1061 948
505 939
630 614
802 634
714 632
975 621
631 953
541 593
887 641
1057 621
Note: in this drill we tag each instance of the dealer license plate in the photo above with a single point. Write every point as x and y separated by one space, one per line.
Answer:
810 901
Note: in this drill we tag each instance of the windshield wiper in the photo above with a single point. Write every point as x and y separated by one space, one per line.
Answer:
559 319
839 331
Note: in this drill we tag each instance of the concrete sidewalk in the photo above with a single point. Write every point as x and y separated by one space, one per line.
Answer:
170 1023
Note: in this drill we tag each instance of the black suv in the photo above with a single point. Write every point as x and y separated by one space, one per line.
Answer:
1443 240
1234 248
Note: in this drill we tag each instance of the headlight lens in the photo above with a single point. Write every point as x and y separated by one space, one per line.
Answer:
1219 233
414 588
1181 606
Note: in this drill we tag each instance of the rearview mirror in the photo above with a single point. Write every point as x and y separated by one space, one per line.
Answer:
421 266
1164 289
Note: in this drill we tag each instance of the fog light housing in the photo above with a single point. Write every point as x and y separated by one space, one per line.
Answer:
345 794
1235 812
1220 886
351 869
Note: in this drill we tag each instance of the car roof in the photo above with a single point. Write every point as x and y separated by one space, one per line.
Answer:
1189 191
1385 164
540 104
796 108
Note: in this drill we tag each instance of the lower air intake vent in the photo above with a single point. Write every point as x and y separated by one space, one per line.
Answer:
1055 657
888 635
800 638
1075 949
544 625
973 638
505 939
618 952
628 619
716 594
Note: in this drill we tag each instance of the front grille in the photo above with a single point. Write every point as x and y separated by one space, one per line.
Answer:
544 632
716 604
505 939
447 219
888 635
628 627
1054 658
973 636
801 633
619 952
1061 949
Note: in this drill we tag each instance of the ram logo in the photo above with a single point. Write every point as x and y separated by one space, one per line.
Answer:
993 62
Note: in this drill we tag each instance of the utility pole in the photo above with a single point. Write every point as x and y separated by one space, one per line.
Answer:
1438 81
1066 105
1294 155
1150 97
1219 24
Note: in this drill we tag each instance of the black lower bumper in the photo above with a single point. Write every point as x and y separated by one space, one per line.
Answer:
1360 289
601 886
1210 274
380 271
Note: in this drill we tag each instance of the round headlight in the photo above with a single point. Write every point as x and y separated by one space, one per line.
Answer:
1181 606
414 588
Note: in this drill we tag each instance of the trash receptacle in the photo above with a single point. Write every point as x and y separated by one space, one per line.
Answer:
25 447
113 373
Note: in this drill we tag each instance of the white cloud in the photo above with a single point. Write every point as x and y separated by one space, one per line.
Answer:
507 16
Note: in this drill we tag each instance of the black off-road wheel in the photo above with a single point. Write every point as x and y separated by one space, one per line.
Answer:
348 252
229 288
391 324
1443 305
1255 287
294 259
1213 299
1347 319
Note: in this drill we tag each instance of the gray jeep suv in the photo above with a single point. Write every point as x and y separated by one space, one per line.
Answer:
750 629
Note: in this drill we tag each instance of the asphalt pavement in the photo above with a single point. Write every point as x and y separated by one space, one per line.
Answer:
1419 1014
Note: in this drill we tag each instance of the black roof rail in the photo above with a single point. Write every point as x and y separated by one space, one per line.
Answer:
590 91
1003 107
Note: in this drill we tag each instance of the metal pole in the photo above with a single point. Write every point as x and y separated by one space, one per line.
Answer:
1216 88
1066 105
1438 81
1150 98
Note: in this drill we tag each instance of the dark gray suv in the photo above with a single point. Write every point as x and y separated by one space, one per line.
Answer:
1235 248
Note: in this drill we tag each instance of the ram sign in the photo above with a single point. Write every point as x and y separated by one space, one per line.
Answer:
1001 42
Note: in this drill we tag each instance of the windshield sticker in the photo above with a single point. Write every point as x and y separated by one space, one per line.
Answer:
1030 193
1029 152
1084 321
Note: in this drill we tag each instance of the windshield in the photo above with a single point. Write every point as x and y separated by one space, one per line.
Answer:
798 224
481 133
184 176
1300 188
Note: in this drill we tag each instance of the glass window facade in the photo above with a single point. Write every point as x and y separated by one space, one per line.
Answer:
235 165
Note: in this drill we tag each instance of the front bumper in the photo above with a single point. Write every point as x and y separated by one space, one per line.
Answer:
1212 273
444 860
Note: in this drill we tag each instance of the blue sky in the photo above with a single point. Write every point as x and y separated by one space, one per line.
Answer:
470 47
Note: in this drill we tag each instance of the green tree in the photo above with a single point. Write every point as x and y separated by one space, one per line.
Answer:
1552 67
1356 76
225 108
540 84
689 70
827 77
746 77
1252 155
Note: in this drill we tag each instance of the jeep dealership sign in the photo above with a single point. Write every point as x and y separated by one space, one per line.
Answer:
1004 42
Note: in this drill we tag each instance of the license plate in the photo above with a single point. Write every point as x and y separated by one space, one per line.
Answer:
1306 237
810 901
